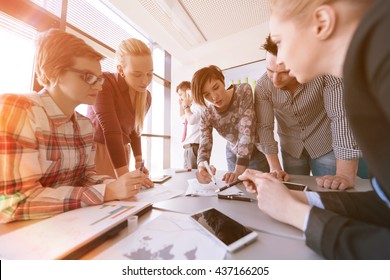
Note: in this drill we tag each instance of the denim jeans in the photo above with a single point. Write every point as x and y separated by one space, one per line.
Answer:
258 160
324 165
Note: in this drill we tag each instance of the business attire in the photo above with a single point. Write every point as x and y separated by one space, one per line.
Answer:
48 160
312 125
357 225
113 117
192 136
236 125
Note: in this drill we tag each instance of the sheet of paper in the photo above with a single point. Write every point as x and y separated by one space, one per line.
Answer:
197 189
172 236
156 194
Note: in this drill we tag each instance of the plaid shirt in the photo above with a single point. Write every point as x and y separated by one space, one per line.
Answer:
46 159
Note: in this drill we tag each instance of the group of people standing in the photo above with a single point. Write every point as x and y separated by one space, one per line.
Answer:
49 151
314 132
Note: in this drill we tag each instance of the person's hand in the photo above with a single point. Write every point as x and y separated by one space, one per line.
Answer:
336 182
202 175
138 165
127 186
280 174
230 177
275 199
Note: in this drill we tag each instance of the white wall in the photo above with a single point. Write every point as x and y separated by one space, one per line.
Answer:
237 49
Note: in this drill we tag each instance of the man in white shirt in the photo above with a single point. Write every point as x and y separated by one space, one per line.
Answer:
190 113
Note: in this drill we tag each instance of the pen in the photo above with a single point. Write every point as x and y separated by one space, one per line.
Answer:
228 186
206 164
234 197
142 165
183 170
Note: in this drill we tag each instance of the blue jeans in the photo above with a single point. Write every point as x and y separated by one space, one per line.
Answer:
258 160
324 165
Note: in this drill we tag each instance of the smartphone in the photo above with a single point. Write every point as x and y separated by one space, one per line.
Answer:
230 233
160 179
295 186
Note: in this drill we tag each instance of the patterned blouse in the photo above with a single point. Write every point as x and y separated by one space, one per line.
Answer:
237 125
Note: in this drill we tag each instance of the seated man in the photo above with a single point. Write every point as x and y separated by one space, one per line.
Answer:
314 132
46 148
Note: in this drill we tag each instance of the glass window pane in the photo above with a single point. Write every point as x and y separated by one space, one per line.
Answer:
156 111
158 61
16 55
153 153
52 6
101 23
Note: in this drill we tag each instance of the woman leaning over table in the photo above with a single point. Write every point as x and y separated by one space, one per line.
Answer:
47 151
120 109
344 38
231 113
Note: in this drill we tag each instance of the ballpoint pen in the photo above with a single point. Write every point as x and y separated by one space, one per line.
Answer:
206 164
183 170
141 168
228 186
234 197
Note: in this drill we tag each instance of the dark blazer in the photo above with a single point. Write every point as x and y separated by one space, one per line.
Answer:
357 225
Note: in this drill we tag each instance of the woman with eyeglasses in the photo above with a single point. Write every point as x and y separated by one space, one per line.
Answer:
120 109
47 152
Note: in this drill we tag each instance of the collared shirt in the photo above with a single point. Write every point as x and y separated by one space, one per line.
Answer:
193 126
313 118
47 160
236 125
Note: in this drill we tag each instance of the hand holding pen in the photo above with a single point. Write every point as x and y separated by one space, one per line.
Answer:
228 186
205 173
142 167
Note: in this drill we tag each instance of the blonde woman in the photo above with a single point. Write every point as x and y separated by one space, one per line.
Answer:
343 38
120 109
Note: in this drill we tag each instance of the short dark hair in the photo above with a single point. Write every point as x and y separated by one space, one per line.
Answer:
200 78
270 46
184 85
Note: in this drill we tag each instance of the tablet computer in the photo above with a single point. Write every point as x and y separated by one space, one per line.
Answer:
227 231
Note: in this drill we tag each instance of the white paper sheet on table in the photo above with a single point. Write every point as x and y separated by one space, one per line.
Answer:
156 194
197 189
171 236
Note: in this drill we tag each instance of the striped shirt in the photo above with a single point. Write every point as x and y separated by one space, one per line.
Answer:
313 118
236 125
47 160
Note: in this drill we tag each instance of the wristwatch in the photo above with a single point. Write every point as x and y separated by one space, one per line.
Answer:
185 107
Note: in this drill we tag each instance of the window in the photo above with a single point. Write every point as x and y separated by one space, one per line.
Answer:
16 55
104 28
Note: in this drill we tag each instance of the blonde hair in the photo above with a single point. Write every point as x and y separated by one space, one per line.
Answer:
135 47
301 10
56 51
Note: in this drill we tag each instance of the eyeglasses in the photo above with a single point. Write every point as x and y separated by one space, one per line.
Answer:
89 78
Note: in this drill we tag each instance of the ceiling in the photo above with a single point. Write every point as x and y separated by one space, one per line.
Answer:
214 19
